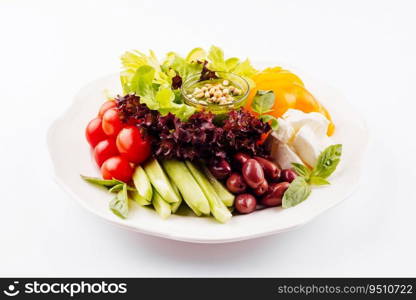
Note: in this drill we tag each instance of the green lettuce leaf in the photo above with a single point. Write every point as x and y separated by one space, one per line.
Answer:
216 59
166 99
145 76
217 62
244 69
185 68
142 85
132 60
159 98
195 55
231 63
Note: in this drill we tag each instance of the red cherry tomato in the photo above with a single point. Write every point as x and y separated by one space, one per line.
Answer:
117 167
132 122
104 150
106 106
94 132
132 145
111 122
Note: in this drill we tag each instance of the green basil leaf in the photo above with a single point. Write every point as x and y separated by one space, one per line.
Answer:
263 102
328 161
301 170
318 181
101 182
297 192
120 203
274 123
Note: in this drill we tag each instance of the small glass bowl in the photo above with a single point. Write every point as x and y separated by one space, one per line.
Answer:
238 81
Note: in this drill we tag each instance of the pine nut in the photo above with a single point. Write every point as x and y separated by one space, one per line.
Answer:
199 95
218 94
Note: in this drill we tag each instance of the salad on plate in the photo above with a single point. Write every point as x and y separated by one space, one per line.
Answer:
209 136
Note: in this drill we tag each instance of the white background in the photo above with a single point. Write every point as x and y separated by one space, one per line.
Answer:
49 49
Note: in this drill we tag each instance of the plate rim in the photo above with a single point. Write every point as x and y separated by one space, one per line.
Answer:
180 237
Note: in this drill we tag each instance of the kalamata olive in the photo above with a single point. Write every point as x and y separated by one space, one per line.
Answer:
236 183
270 169
287 175
253 173
220 169
275 194
240 159
245 203
262 188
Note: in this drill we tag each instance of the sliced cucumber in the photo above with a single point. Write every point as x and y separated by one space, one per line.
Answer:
218 209
189 188
134 196
120 204
226 197
117 188
102 182
161 206
160 181
174 206
142 184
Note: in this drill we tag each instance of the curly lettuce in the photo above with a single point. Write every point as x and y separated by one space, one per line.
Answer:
157 96
217 62
158 84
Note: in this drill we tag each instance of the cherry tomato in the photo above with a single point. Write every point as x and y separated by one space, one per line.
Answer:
132 145
111 122
104 150
94 132
106 106
132 121
117 167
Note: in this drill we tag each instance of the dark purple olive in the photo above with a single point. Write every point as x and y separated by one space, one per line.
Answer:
240 159
270 169
245 203
262 188
275 194
220 169
287 175
253 173
236 183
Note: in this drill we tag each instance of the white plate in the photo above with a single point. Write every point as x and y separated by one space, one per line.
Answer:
71 157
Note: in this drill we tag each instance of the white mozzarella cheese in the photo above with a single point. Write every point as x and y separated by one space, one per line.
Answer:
314 120
283 155
285 132
308 144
